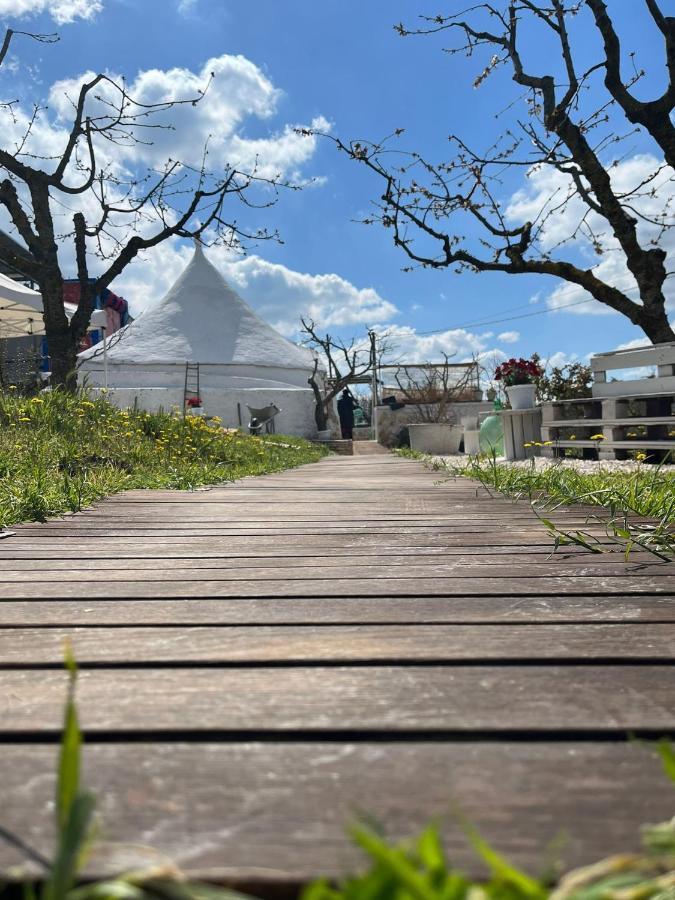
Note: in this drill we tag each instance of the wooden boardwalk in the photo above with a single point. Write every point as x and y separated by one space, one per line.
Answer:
263 662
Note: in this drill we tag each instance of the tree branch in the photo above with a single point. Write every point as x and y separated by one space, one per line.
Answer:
654 116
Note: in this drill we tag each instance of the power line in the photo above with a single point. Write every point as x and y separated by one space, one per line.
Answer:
539 312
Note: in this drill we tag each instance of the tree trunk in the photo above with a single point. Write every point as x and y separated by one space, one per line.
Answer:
63 355
659 331
319 408
60 341
655 324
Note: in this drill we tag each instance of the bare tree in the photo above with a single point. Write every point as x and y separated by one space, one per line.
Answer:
432 388
344 362
435 208
115 215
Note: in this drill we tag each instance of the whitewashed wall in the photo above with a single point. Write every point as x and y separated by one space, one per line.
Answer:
296 416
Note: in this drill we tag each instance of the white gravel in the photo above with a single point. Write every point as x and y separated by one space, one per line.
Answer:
589 466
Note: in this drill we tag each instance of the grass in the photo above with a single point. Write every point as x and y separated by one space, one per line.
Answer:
61 452
647 491
413 870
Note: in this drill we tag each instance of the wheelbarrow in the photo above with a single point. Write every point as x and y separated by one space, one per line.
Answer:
262 418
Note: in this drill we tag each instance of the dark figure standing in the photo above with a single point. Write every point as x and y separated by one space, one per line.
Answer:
346 406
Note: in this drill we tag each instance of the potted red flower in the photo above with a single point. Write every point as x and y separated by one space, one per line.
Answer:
519 376
194 406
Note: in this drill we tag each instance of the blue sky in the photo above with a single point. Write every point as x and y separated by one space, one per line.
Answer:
298 62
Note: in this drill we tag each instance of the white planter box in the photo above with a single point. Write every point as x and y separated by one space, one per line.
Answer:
435 438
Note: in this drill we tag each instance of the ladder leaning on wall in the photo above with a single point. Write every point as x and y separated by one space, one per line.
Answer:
191 383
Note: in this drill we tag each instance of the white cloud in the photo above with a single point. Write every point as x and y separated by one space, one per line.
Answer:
185 7
282 295
632 345
526 205
509 337
405 345
560 359
62 11
236 90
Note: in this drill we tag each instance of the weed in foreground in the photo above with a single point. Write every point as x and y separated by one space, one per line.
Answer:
622 497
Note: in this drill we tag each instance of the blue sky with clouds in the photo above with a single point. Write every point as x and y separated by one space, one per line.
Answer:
336 64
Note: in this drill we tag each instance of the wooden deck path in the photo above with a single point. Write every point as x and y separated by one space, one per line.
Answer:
263 662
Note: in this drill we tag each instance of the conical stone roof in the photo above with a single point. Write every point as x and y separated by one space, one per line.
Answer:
202 320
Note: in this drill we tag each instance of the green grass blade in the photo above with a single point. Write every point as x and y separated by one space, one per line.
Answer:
68 780
117 889
72 842
502 870
667 753
395 862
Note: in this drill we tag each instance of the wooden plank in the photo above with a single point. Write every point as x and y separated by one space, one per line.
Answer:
346 699
640 387
258 518
321 538
487 525
648 355
611 420
442 502
459 570
306 587
147 554
338 610
396 643
280 812
471 534
438 561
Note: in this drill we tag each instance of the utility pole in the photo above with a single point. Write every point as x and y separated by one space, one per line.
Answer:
373 369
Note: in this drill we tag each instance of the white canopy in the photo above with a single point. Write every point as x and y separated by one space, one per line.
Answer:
21 310
203 320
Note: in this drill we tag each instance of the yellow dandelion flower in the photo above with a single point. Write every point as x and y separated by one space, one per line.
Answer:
36 400
547 444
24 419
573 437
597 437
12 387
640 456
